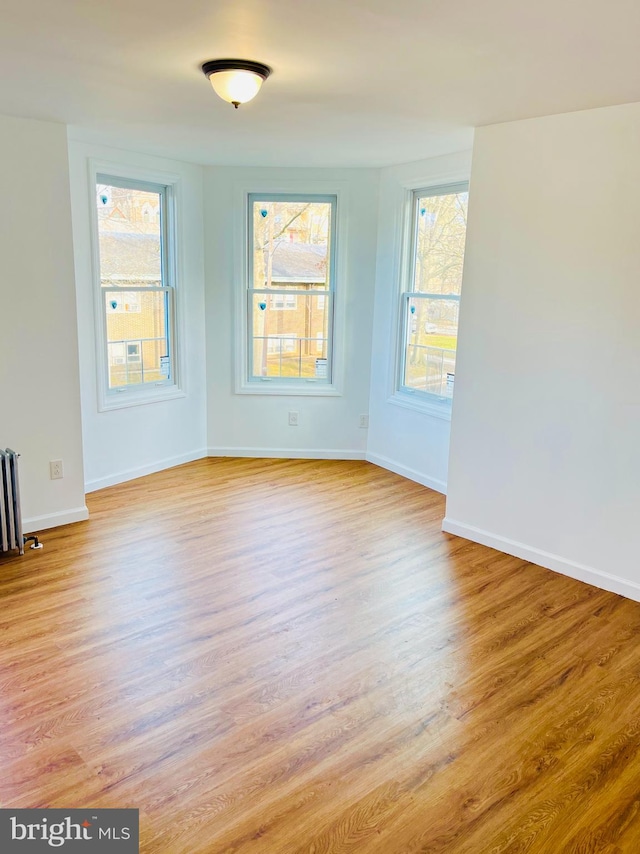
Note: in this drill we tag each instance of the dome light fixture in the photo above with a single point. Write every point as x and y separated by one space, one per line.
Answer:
236 80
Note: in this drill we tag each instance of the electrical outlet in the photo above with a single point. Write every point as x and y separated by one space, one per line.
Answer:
364 421
55 470
293 419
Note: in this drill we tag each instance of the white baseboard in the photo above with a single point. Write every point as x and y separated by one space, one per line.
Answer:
287 453
53 520
595 577
132 474
409 473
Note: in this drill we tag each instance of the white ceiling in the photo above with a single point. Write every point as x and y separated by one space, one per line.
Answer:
354 83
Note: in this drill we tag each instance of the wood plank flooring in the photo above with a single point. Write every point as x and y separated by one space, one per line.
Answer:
277 657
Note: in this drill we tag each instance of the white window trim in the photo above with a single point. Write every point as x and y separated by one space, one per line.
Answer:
400 395
303 388
107 400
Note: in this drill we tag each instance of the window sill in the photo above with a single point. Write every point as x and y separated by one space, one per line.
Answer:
436 408
123 400
292 390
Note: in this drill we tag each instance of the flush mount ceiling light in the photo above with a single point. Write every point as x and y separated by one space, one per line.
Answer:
236 80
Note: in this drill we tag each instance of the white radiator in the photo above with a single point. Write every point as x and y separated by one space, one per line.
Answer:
11 536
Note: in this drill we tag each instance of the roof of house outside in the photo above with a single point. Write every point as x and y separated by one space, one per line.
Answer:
129 258
298 262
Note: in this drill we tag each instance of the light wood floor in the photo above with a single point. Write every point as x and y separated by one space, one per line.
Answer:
272 657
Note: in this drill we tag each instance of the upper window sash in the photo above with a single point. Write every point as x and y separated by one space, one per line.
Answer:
167 219
412 249
292 197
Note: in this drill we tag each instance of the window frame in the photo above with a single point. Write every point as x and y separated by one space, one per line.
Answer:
404 395
335 193
167 185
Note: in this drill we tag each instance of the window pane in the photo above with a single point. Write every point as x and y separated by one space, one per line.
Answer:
129 236
137 341
291 244
440 235
291 343
430 353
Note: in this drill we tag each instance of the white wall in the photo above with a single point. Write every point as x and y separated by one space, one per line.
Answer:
121 444
39 388
255 424
545 451
404 439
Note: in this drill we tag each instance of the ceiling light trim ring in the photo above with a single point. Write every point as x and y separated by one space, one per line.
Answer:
215 65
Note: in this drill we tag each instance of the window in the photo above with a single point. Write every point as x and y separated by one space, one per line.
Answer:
135 239
116 354
133 352
431 302
290 289
280 302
